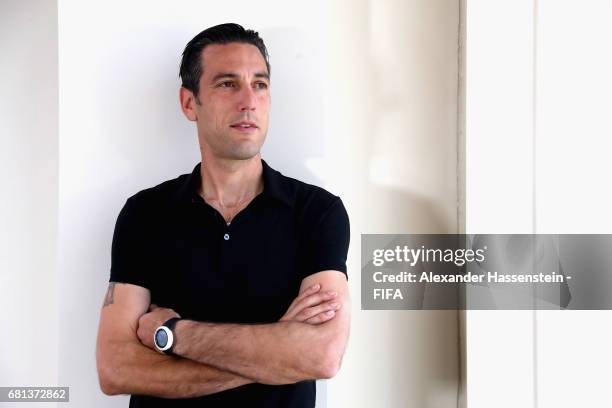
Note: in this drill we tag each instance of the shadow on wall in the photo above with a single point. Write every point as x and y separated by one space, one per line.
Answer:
399 212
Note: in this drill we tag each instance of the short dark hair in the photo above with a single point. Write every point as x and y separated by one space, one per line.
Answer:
191 63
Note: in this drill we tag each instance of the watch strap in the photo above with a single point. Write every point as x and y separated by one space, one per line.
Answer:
170 323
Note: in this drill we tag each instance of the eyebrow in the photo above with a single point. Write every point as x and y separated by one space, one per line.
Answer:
233 75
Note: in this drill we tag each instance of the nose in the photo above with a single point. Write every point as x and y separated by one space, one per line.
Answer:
248 100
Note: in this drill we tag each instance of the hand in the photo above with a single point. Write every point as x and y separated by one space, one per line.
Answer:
150 321
312 306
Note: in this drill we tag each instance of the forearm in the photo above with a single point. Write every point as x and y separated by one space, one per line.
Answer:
277 353
132 368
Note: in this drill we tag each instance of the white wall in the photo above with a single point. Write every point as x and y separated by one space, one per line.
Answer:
538 162
28 188
365 105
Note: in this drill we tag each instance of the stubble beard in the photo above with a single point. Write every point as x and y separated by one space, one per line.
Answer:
234 150
242 152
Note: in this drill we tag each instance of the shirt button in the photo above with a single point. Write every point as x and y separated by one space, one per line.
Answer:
226 237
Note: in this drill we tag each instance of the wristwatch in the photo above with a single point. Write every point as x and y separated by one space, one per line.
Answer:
164 336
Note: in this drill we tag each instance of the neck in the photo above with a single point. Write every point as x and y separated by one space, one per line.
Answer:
229 182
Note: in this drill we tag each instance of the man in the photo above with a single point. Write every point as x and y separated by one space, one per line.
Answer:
253 262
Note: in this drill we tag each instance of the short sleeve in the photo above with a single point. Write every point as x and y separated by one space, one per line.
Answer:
131 251
328 240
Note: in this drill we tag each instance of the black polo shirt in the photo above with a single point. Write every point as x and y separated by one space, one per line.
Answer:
170 241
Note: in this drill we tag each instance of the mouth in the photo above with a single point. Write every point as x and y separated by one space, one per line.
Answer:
244 126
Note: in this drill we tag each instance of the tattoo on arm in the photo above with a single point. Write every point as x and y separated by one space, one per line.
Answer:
109 299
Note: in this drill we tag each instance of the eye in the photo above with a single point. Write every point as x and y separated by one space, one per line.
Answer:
226 84
261 85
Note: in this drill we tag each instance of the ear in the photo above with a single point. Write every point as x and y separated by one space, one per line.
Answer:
187 100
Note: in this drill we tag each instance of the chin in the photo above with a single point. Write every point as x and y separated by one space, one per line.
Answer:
245 150
244 154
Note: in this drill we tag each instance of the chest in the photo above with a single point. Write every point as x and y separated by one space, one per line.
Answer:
247 272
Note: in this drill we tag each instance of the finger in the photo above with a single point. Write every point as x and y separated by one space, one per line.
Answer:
313 300
317 309
169 313
309 301
322 317
152 307
307 292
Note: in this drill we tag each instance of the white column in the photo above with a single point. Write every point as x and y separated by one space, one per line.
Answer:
573 194
499 188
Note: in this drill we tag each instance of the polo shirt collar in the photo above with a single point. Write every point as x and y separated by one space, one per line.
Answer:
274 185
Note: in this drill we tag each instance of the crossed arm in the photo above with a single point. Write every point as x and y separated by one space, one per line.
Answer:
307 343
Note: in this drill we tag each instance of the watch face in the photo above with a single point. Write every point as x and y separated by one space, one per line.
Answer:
161 338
